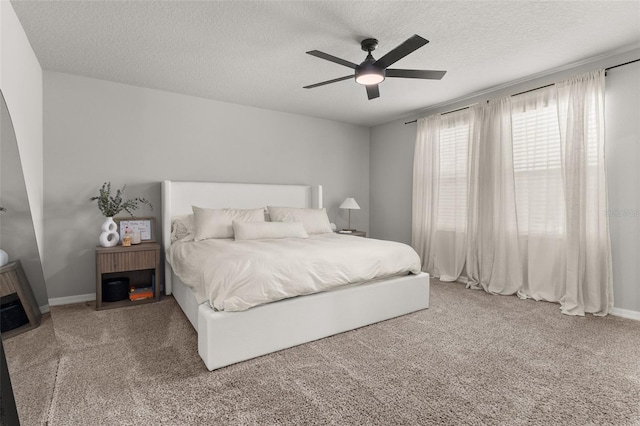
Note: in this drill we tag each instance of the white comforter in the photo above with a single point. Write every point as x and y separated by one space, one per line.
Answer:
237 275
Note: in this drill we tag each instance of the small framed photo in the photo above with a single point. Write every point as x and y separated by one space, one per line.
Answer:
145 226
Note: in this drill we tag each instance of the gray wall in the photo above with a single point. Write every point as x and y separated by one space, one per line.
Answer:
98 131
391 170
623 181
391 165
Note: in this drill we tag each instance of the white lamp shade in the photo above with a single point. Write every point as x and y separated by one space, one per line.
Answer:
350 203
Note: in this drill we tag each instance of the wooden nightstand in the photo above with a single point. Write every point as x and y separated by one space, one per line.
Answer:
140 263
13 281
354 233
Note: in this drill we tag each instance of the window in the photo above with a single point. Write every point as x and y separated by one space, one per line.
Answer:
537 163
454 153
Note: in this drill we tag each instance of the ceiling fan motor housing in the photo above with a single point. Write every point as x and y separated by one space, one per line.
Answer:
368 73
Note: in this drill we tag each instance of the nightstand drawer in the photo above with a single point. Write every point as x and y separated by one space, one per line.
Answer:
8 283
123 261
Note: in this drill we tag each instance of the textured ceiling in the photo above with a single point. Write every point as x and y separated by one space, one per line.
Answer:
253 53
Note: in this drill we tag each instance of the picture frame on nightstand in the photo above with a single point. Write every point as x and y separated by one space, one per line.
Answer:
146 226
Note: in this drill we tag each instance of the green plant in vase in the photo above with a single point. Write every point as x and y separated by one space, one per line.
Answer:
110 205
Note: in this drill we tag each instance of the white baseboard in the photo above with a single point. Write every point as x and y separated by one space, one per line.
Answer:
79 298
626 313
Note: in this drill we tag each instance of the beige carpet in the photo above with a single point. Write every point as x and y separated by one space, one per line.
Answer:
32 358
470 359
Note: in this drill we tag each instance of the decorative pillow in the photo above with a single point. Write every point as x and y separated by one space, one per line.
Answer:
218 223
315 221
268 230
181 227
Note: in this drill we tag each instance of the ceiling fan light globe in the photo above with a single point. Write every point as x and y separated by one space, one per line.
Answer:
369 79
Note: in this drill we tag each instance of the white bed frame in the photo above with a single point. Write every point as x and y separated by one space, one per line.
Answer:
225 338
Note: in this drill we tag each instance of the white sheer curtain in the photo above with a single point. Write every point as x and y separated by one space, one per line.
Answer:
589 282
426 182
493 259
440 194
540 199
535 219
561 195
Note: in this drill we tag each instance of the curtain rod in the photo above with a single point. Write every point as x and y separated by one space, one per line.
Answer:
444 113
620 65
530 90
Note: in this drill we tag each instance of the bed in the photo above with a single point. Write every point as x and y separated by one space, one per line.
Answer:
226 338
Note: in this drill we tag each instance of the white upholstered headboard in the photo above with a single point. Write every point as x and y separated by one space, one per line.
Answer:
178 197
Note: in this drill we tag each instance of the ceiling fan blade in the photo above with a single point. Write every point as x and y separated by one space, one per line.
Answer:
414 42
335 80
326 56
428 74
373 91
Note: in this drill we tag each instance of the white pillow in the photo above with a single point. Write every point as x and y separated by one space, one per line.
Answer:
268 230
315 221
181 227
218 223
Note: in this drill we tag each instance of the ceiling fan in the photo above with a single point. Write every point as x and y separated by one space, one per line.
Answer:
371 72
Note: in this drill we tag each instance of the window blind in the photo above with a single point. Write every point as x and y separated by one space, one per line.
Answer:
537 165
454 153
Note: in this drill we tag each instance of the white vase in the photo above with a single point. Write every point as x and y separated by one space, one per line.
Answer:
109 236
4 257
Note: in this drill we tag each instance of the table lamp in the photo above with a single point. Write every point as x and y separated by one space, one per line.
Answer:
349 204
